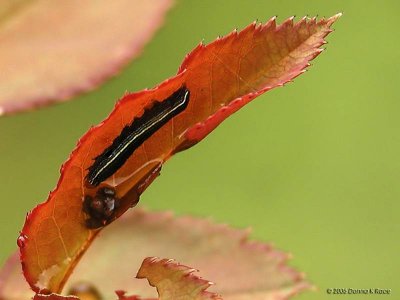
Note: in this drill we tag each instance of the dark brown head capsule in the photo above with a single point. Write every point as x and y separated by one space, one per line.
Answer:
100 208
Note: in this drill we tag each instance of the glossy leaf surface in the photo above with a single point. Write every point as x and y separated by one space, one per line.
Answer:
221 78
241 269
53 50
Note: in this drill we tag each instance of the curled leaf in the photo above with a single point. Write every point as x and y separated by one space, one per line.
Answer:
174 281
51 51
115 161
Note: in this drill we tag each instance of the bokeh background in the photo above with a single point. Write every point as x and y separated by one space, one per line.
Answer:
313 167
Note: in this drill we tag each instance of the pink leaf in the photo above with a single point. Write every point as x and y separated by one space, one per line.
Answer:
13 285
241 269
53 50
222 254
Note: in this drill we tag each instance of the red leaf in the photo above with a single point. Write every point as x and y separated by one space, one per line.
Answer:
221 77
51 51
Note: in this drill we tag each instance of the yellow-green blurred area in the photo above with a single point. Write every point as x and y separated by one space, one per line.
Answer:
313 167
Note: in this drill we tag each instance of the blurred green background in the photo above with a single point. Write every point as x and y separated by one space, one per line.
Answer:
313 167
